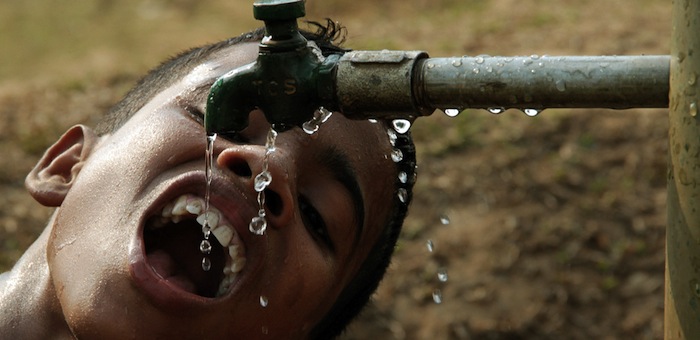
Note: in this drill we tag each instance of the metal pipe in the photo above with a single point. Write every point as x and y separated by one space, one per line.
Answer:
545 82
682 289
290 79
393 84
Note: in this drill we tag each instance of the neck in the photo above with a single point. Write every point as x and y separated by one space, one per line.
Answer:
29 307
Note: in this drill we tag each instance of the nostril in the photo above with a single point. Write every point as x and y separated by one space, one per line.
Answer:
240 167
273 202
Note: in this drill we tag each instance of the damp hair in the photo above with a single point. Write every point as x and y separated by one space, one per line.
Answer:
328 36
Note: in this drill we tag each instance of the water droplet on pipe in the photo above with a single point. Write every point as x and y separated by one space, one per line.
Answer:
437 296
452 112
401 125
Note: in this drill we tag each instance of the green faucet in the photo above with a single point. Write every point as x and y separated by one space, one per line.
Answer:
288 81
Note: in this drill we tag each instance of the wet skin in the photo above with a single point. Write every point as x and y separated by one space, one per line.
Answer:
95 274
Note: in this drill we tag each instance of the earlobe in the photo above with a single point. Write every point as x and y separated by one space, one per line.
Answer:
53 176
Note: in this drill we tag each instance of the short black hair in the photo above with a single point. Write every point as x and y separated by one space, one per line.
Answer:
328 37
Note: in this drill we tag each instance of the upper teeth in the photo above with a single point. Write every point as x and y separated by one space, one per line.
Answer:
188 205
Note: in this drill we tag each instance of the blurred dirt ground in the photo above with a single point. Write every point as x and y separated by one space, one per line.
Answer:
556 223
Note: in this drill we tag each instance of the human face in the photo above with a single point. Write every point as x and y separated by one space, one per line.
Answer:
114 282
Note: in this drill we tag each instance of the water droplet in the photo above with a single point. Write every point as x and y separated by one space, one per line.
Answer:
262 180
475 70
489 69
693 109
401 125
209 160
265 330
527 62
211 138
442 275
310 127
534 57
479 60
396 155
270 141
496 110
323 114
430 245
532 112
560 85
373 121
692 78
205 247
445 220
263 301
258 225
392 136
403 177
403 195
452 112
457 62
430 66
206 230
437 296
540 64
206 264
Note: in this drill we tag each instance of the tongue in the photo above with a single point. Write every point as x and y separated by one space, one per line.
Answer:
173 252
165 267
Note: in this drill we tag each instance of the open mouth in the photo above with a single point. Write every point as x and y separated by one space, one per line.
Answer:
172 240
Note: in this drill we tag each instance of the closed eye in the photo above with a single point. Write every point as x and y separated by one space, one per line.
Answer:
314 222
195 113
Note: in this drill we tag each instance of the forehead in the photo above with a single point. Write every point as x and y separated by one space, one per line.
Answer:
199 80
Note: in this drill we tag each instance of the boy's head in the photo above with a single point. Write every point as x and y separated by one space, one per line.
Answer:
124 253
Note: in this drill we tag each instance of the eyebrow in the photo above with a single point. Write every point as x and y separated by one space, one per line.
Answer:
201 92
343 171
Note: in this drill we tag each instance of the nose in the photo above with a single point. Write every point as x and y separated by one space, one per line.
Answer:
247 161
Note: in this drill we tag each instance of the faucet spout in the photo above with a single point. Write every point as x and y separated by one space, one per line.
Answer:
288 81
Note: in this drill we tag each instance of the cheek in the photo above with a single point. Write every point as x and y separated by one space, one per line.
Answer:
302 286
89 241
88 270
95 225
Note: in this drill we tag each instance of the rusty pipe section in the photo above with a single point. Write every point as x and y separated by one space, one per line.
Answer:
407 84
379 84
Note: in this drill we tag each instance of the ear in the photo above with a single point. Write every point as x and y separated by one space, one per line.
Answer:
53 176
